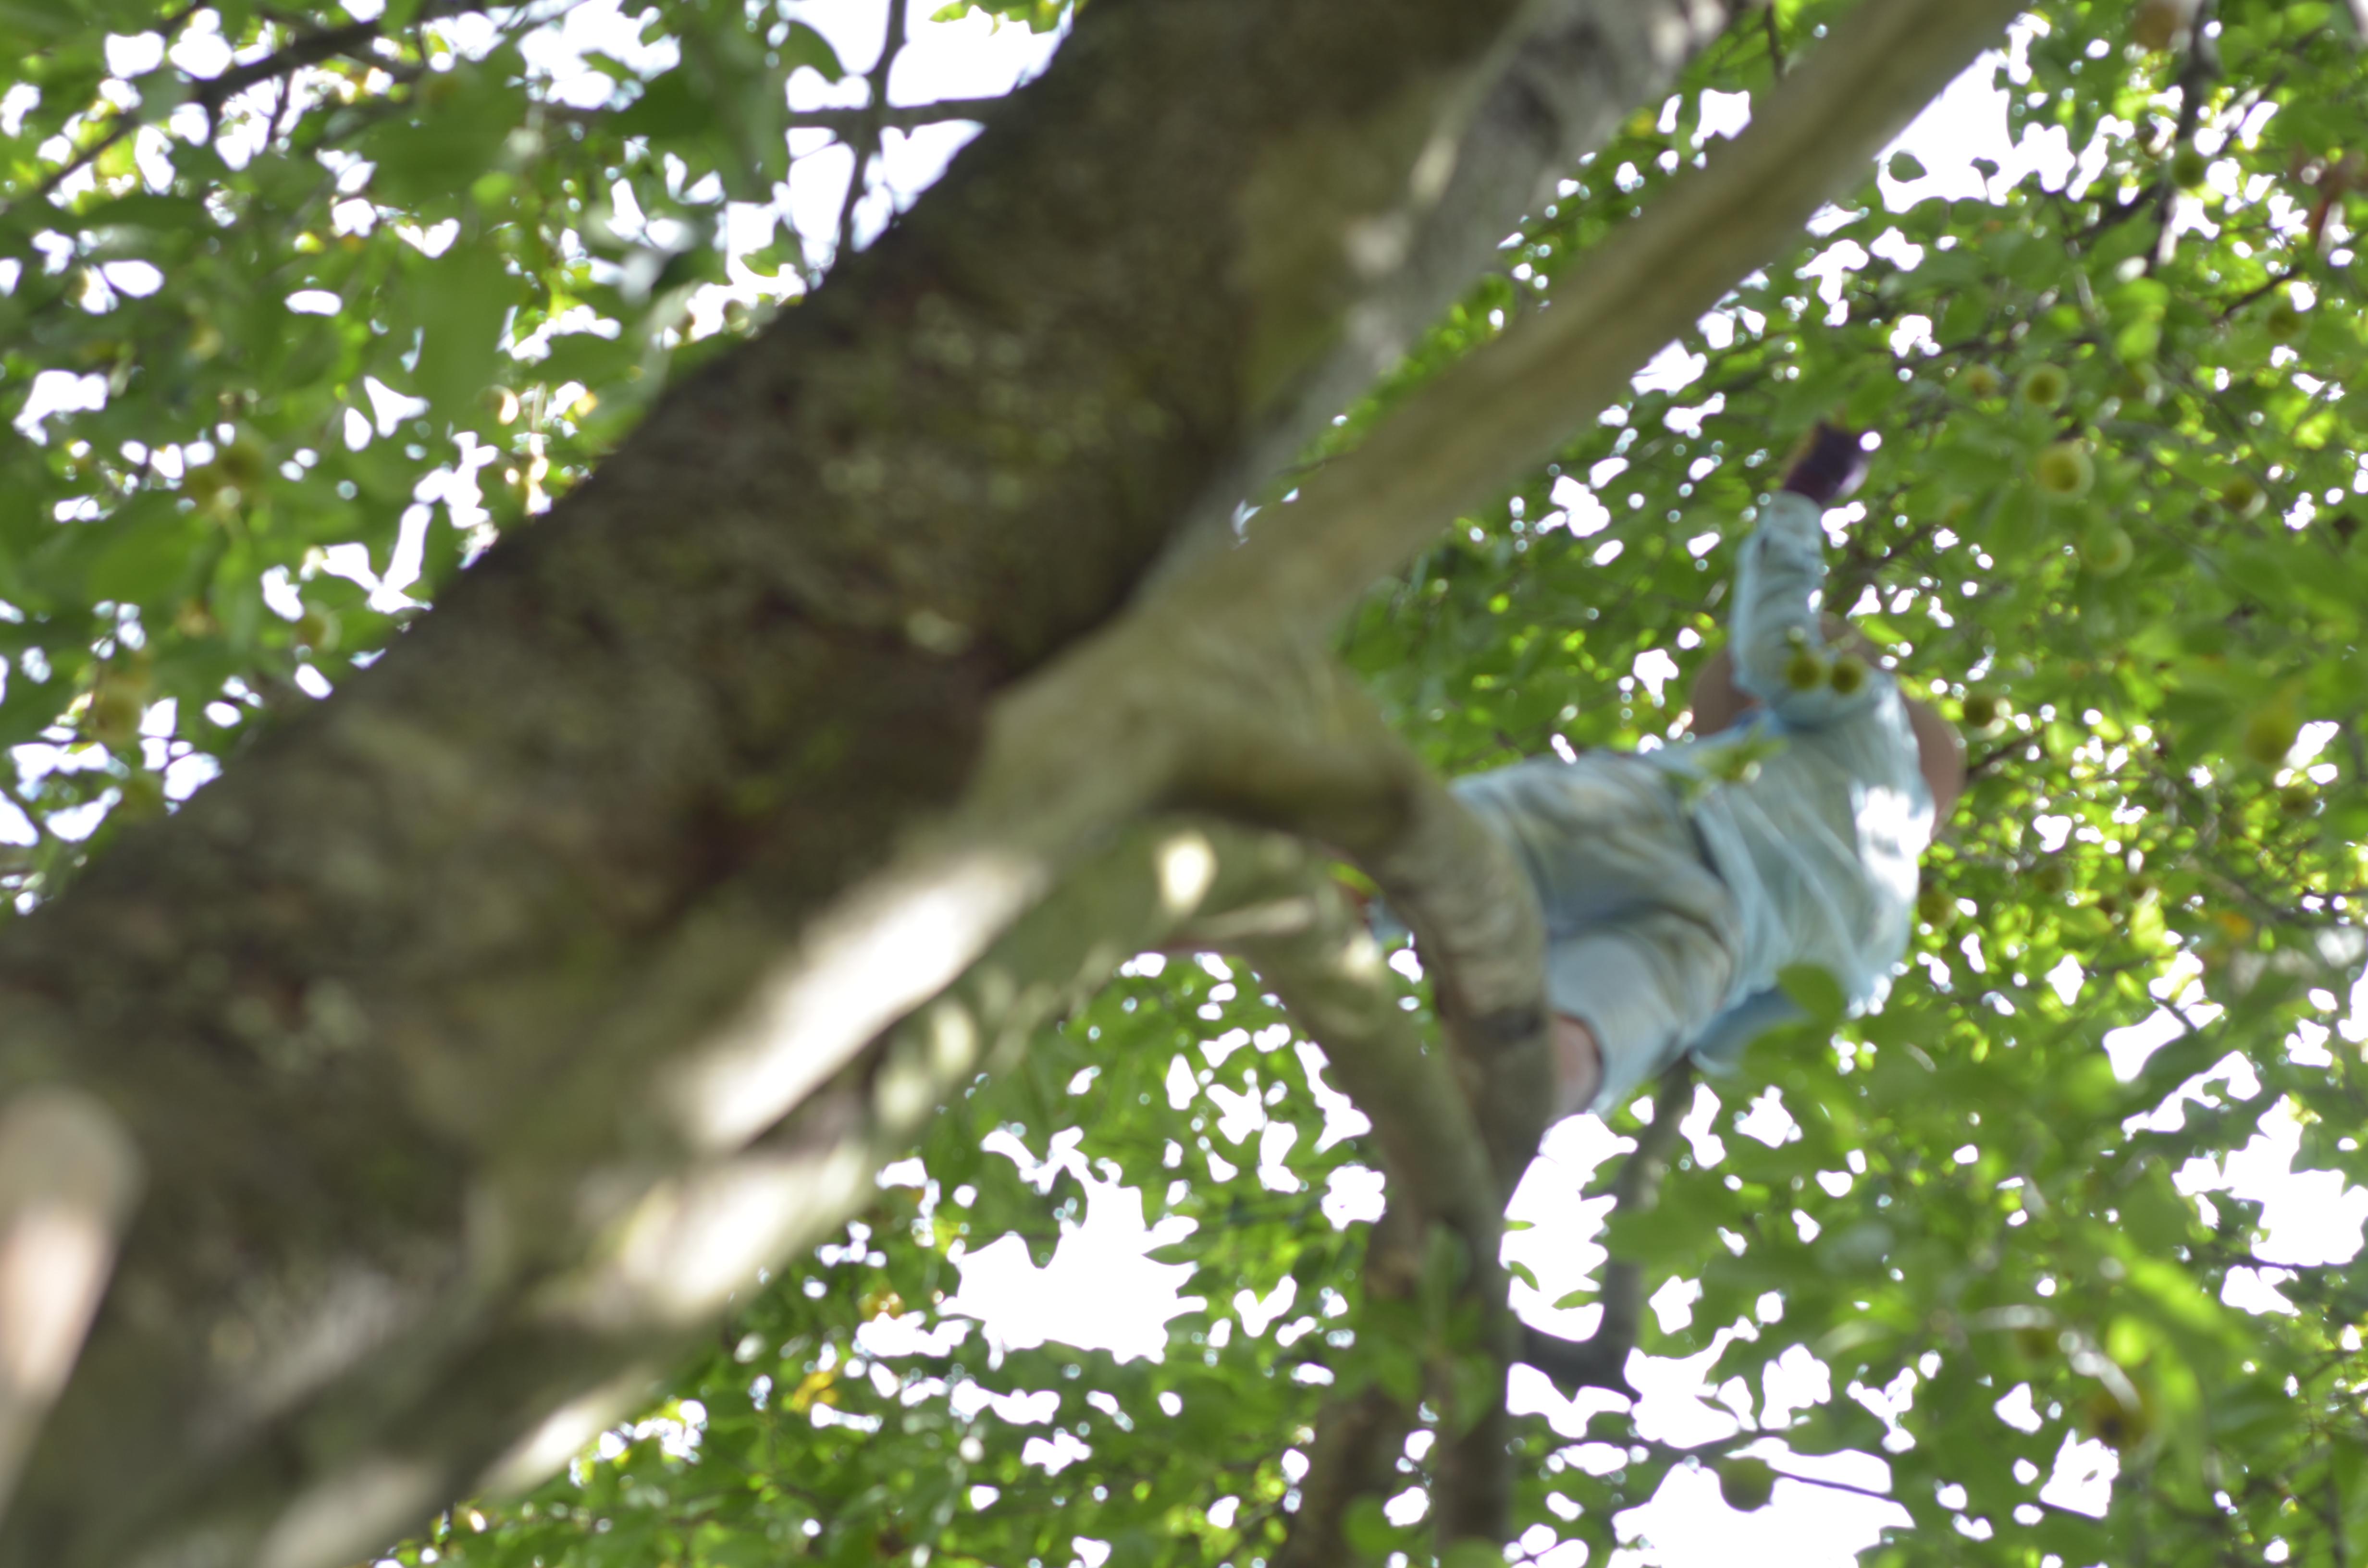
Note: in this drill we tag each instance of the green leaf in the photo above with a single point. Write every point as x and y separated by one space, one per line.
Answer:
1816 992
1366 1529
468 296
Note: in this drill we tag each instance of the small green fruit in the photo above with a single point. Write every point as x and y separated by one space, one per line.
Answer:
2157 24
118 700
2190 168
2050 879
1805 671
2043 386
2107 549
1981 711
2270 734
141 798
113 717
1935 907
316 629
1746 1484
2283 322
245 464
2297 800
2243 495
1981 383
1848 675
211 488
2065 469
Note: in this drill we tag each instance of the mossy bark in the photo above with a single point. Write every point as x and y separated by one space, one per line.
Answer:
383 1007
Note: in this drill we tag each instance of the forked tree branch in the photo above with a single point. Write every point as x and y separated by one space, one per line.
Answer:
649 1147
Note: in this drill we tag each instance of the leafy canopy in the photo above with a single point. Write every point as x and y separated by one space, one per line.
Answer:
2112 529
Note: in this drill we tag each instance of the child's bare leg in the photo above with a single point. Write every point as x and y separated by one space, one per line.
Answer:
1578 1064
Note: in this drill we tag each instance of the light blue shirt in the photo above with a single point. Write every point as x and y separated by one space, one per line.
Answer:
1820 837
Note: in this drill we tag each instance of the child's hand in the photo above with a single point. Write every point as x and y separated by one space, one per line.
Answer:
1829 466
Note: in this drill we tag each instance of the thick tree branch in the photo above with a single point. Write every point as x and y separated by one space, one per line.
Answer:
485 979
1478 922
1512 403
584 886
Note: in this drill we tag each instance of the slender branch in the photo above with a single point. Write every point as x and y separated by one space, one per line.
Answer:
2276 280
213 92
897 117
1358 1440
867 140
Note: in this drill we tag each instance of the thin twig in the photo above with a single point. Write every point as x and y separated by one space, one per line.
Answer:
899 116
867 145
842 122
213 92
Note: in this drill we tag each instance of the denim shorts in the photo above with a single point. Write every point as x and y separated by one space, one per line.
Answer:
1641 935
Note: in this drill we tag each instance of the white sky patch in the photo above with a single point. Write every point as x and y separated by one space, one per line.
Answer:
1767 1121
1655 669
2130 1047
59 391
966 58
1673 367
1803 1526
1099 1292
1722 114
2083 1478
1578 509
2307 1217
2066 977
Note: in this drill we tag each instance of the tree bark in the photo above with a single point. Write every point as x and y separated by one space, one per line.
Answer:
388 1008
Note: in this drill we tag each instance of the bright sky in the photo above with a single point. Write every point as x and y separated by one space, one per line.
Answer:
1101 1290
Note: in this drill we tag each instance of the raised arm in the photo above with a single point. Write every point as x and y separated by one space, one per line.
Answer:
1775 640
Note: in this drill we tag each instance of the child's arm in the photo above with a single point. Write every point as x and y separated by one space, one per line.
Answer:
1780 654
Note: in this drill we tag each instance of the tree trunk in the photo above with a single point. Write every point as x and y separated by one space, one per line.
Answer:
385 1008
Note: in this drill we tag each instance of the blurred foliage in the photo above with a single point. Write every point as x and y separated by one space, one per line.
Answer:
339 278
2112 529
